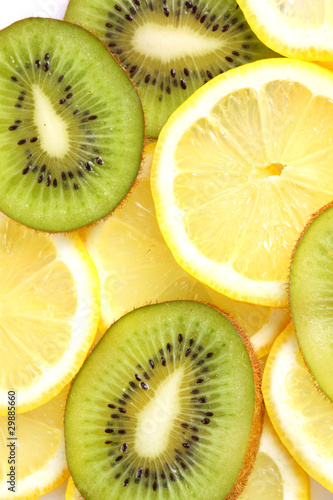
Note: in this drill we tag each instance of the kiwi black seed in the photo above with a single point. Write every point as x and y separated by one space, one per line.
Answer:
71 126
168 405
170 48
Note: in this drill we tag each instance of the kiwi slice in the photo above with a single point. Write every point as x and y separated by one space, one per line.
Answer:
170 48
168 405
71 126
311 297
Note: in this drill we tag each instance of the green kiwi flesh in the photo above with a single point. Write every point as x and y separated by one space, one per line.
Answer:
71 128
311 297
167 405
170 48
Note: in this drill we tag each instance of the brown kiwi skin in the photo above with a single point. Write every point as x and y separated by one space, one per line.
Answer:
258 417
307 225
259 407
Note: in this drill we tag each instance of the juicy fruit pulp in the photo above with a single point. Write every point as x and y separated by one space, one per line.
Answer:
311 297
239 169
49 312
136 267
171 48
175 402
67 109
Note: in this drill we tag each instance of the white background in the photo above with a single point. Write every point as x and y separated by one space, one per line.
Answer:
14 10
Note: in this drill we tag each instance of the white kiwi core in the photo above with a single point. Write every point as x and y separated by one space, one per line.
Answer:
52 128
161 42
156 419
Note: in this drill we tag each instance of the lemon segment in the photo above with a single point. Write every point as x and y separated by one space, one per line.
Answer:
136 267
238 170
299 411
72 493
49 312
276 475
40 460
302 29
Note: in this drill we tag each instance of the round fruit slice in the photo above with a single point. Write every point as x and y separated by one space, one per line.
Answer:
237 171
36 450
170 49
49 312
311 297
169 398
276 475
301 415
67 112
136 267
300 29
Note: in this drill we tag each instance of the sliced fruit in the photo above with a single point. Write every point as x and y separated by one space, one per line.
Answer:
170 49
72 493
136 267
301 29
300 413
276 475
168 398
71 126
38 453
238 170
49 310
311 297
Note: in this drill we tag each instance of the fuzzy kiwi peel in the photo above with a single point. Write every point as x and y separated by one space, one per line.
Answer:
171 48
311 296
71 126
167 404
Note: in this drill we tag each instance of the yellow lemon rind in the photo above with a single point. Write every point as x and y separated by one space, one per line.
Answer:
281 358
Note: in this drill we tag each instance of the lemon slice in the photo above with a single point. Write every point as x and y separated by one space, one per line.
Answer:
239 168
136 267
39 453
300 413
49 312
302 29
276 475
72 493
